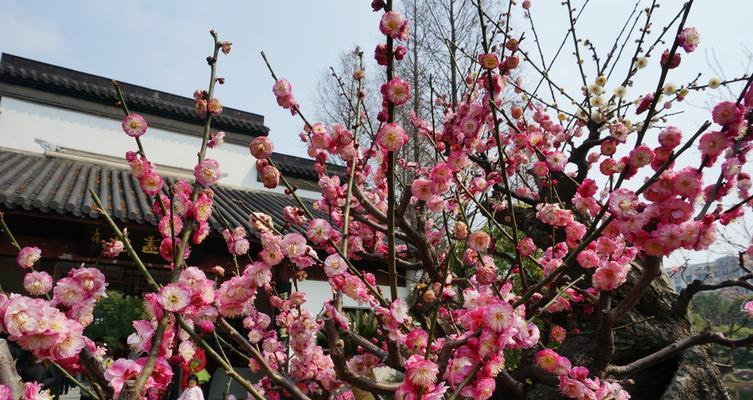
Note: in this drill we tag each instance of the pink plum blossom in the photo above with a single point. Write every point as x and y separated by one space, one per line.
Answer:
394 25
688 39
207 172
392 137
37 283
134 125
28 256
174 297
216 140
261 147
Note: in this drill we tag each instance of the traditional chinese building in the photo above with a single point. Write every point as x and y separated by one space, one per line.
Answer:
60 136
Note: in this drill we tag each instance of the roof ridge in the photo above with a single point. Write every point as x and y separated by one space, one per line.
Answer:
78 84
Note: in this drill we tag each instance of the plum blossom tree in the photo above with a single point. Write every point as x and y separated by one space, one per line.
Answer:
538 246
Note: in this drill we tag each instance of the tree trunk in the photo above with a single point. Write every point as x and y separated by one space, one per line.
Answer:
128 392
650 326
8 374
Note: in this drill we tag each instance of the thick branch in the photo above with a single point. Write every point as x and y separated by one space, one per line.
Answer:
96 372
673 349
605 336
686 295
8 374
651 271
273 374
336 347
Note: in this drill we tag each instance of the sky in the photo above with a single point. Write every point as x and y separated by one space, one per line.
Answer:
163 45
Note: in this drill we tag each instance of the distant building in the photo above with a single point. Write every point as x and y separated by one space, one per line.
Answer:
60 136
719 270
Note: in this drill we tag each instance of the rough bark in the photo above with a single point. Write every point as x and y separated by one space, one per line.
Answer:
8 374
129 391
650 326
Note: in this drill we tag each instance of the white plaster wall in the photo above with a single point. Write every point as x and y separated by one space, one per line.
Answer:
317 292
22 121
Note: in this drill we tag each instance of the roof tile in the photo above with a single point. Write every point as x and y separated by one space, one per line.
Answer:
46 184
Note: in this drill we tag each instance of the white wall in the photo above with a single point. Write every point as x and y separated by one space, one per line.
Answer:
22 121
317 292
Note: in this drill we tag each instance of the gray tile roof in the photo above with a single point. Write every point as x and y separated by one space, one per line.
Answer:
35 182
303 168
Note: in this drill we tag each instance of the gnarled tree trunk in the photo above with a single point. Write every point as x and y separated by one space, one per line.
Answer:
650 326
8 374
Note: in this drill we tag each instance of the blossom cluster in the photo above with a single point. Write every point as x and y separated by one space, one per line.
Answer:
574 382
52 328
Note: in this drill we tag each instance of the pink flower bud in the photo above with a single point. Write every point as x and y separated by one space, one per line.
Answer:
206 326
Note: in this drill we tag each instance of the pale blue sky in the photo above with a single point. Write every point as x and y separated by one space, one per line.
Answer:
163 44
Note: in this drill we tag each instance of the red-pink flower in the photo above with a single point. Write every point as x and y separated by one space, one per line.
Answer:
526 247
122 370
282 88
419 371
640 156
552 362
37 283
269 176
498 316
574 389
392 137
134 125
688 39
748 307
216 139
623 204
294 245
151 183
237 243
609 277
6 393
202 207
558 334
460 229
556 161
488 60
214 106
207 172
674 63
261 147
141 340
712 145
167 229
727 113
687 183
33 391
380 54
319 230
644 103
166 249
484 388
479 241
394 25
422 189
399 310
28 256
670 137
588 259
174 297
112 249
396 91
